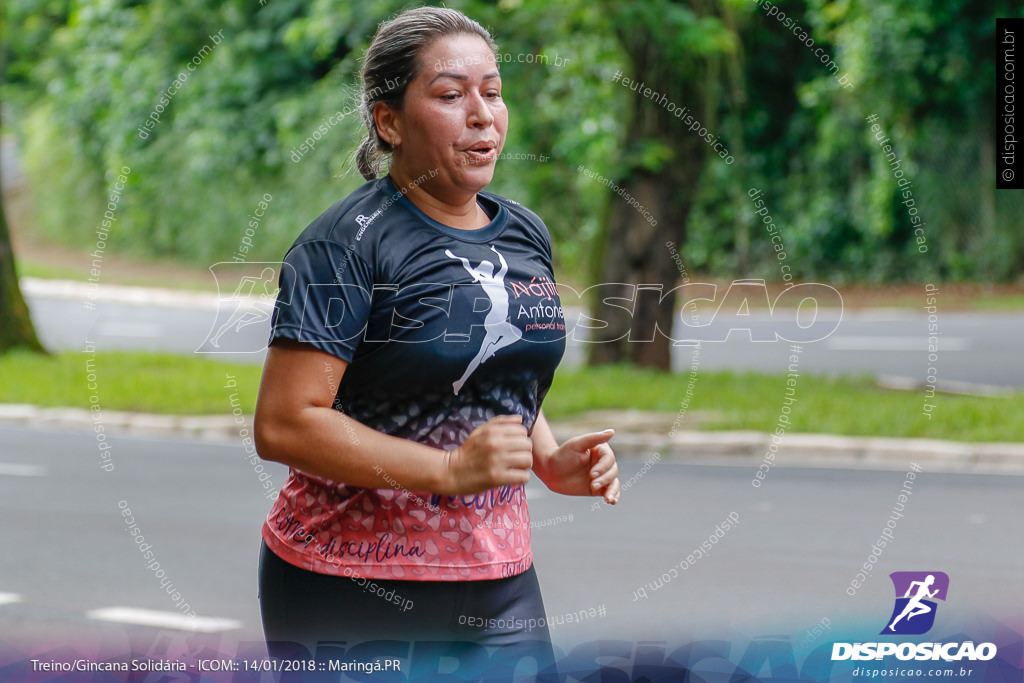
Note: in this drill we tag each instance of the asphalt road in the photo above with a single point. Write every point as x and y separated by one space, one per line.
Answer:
799 542
974 348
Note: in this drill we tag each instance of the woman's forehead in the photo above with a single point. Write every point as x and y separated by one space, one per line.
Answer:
463 55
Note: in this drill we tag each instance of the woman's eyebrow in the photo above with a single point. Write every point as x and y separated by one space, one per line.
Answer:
463 77
446 74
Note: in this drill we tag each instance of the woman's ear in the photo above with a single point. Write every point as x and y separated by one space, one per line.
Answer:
387 121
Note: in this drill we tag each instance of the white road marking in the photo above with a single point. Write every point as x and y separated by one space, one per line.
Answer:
158 619
138 296
9 598
917 343
119 328
14 470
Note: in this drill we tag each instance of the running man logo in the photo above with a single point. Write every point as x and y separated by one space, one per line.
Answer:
250 304
914 611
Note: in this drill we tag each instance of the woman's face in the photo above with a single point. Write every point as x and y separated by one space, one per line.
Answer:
452 122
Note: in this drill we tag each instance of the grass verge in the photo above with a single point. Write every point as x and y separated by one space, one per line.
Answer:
851 406
854 406
139 382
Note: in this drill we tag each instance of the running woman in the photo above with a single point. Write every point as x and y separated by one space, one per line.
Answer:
402 387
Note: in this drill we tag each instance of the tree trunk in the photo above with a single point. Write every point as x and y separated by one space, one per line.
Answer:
638 257
16 329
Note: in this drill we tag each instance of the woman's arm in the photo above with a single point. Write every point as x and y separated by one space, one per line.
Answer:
582 466
295 424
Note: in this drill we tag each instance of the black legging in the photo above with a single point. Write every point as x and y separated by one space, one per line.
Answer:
302 609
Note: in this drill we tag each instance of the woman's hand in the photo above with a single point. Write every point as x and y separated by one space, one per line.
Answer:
497 453
584 466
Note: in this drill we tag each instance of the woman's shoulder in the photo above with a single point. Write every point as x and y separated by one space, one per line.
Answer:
347 220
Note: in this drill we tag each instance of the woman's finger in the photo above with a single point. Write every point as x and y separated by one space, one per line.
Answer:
607 472
602 461
612 493
592 440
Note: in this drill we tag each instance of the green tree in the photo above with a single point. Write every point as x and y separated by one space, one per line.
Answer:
677 55
16 329
927 70
85 76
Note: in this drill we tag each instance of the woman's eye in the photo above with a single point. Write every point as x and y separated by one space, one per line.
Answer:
450 97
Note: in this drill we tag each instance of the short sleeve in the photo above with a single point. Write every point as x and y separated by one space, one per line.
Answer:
324 298
546 237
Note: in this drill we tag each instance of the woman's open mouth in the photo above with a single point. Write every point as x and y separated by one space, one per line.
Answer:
482 153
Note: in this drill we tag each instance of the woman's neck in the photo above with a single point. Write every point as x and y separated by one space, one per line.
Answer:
463 213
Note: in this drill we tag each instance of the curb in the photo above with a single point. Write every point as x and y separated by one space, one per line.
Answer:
736 447
826 450
214 428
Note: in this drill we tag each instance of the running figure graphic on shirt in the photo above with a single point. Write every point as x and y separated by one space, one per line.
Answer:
915 606
499 331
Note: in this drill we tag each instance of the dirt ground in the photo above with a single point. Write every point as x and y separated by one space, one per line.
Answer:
71 263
